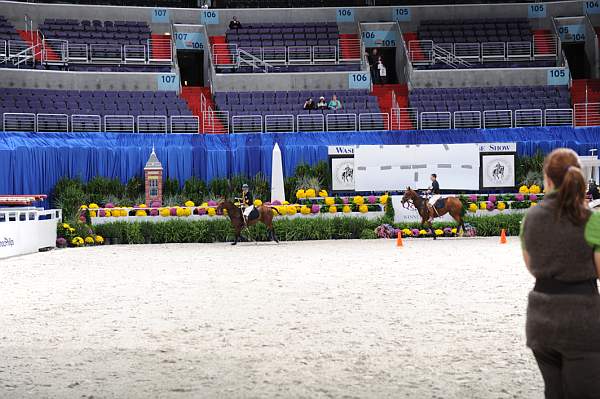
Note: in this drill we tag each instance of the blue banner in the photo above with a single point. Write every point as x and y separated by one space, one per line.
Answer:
189 40
558 76
168 82
379 38
572 33
537 10
160 15
344 15
591 7
359 80
209 17
401 14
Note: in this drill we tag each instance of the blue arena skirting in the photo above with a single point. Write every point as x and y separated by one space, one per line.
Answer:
32 163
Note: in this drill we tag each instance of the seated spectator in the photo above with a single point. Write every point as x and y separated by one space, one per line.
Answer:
382 71
234 24
309 104
593 190
322 104
335 104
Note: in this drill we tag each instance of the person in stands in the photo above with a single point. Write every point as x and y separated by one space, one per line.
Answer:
593 190
334 104
309 104
234 24
322 104
382 71
560 240
372 58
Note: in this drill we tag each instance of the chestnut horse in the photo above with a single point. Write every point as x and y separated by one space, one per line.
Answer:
265 215
452 205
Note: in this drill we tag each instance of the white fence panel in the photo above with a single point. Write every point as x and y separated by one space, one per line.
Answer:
49 123
134 53
467 119
246 124
3 50
215 121
310 123
54 51
558 117
420 52
86 123
185 124
435 120
160 51
19 122
274 55
404 119
587 114
106 53
224 55
119 123
518 50
324 54
493 51
77 52
341 122
374 121
299 54
528 117
497 119
353 47
545 46
152 124
279 123
468 51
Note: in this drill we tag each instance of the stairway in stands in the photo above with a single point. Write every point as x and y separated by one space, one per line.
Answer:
221 54
543 44
349 46
586 91
192 95
34 39
417 52
160 47
384 98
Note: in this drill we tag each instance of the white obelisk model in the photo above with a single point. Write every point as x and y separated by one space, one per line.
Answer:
277 186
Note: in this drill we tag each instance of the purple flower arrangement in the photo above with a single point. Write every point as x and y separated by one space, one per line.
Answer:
533 197
110 205
212 203
61 242
492 198
173 211
519 197
345 200
490 206
315 208
102 213
371 199
201 211
153 212
472 198
155 204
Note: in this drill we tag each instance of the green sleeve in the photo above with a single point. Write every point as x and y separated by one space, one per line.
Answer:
592 231
522 233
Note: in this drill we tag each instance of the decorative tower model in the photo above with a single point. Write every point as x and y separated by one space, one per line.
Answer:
153 179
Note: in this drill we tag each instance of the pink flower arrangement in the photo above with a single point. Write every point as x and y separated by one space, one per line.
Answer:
492 198
490 206
155 204
212 203
345 201
201 211
519 197
276 203
415 232
472 198
153 212
61 242
110 205
101 213
173 211
315 208
372 199
533 197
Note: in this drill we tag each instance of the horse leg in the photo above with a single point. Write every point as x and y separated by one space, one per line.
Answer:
273 236
238 235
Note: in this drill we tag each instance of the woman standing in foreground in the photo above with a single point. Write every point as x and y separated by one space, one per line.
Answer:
561 248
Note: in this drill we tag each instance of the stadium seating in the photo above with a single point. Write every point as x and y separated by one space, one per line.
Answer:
7 31
299 34
476 30
96 32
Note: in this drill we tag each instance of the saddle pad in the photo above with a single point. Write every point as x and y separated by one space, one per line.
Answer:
440 203
253 214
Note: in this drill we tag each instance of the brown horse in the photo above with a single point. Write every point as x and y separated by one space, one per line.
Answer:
452 205
265 215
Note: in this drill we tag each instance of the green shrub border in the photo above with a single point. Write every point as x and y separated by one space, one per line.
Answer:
296 229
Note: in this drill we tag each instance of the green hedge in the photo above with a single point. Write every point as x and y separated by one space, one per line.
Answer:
296 229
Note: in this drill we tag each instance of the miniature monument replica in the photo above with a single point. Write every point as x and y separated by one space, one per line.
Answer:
153 179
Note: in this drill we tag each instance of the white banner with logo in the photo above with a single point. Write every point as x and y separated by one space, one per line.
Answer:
21 231
497 170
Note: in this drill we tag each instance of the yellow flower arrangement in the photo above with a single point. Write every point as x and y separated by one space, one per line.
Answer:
523 190
65 225
346 209
286 202
140 212
472 207
305 210
77 241
71 230
204 205
291 210
422 232
83 207
439 232
483 205
257 203
363 209
99 240
333 209
93 206
323 193
142 206
189 204
300 194
211 212
329 201
533 203
180 211
92 214
384 199
225 212
89 240
454 230
164 212
535 189
310 193
501 206
406 232
358 200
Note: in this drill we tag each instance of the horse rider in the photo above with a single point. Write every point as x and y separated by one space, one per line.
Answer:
246 202
434 190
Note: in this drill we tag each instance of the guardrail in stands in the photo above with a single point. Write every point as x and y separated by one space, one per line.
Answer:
219 121
3 50
421 52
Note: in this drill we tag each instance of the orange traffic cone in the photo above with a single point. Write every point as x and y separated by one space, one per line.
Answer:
399 240
503 237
